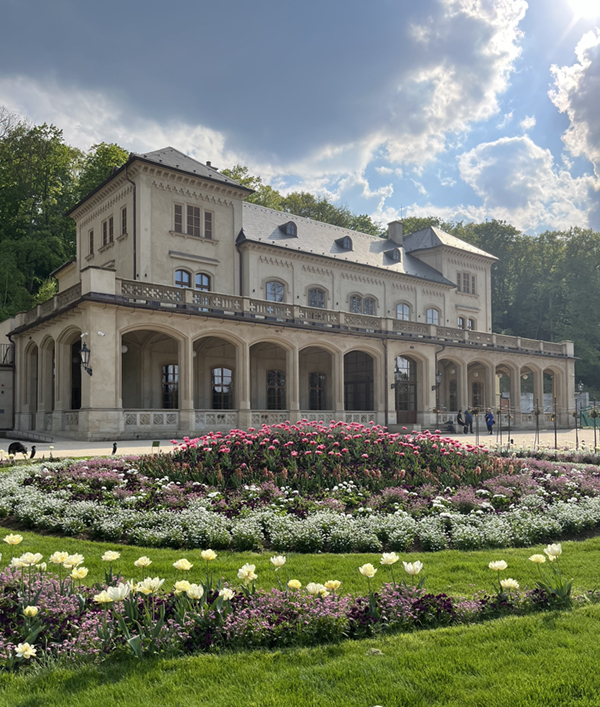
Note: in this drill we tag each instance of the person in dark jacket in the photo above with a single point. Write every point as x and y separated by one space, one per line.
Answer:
468 421
460 421
489 421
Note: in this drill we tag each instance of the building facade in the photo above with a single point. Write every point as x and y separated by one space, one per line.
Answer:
197 311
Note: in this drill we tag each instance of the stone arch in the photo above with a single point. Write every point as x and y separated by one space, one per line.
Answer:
316 364
271 374
359 380
215 366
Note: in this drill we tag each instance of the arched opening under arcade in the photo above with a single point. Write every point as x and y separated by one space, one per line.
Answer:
215 374
30 388
406 379
269 378
315 365
359 381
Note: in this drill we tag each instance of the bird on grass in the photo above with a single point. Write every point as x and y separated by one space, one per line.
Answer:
32 451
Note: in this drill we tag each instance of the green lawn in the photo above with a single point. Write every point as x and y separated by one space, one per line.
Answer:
451 571
544 659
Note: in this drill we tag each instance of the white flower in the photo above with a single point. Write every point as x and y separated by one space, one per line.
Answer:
73 561
149 585
389 558
120 592
79 573
12 539
553 551
367 570
143 561
314 588
183 565
247 573
29 559
111 556
227 594
195 591
498 565
413 568
208 555
538 559
509 583
278 561
25 650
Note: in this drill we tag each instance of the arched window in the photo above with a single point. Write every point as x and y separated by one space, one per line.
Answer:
461 322
471 325
369 306
316 391
316 298
433 316
356 304
203 282
183 278
170 386
222 389
274 292
275 390
403 312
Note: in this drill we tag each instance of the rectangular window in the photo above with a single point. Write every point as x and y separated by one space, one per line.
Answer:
178 225
123 220
208 224
466 282
472 284
111 230
193 221
316 391
104 232
459 281
170 386
91 241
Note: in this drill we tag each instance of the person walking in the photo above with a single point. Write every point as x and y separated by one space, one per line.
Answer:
489 421
460 421
468 421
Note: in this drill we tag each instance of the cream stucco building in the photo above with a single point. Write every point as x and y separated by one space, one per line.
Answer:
201 311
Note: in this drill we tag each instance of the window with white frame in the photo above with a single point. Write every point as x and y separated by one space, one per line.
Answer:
123 220
274 291
461 323
316 298
108 231
403 312
471 325
183 278
466 282
433 316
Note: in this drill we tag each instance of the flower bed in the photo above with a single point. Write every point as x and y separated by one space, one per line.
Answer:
46 615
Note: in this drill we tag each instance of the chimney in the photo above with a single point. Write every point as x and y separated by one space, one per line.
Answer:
394 232
208 164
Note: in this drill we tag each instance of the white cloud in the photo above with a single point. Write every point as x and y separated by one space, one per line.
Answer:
505 120
518 181
528 122
90 117
577 93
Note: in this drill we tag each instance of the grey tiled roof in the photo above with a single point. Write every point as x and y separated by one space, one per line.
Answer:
261 225
170 157
432 237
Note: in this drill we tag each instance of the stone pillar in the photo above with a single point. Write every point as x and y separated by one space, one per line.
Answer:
338 386
187 414
293 384
538 389
243 385
463 386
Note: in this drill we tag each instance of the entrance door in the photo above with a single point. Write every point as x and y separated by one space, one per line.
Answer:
405 377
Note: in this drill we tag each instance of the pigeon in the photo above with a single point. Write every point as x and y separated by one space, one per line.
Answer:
114 451
17 448
32 451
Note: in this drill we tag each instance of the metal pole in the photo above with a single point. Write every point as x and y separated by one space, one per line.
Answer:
576 427
499 424
555 426
536 441
477 428
595 428
509 443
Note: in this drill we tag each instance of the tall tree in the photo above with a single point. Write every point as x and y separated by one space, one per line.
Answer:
98 165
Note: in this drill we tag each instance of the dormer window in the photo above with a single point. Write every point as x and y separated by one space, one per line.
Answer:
393 255
289 229
345 242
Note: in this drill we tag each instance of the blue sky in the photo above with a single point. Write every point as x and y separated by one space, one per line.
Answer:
465 109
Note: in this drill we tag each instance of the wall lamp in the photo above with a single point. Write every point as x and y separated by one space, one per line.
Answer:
85 358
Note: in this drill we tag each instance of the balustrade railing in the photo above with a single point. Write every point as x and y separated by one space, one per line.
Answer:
224 305
150 419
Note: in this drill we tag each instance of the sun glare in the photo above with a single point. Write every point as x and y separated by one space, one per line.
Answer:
585 8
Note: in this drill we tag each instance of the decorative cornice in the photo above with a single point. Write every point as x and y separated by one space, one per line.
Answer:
275 261
317 270
189 192
105 204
